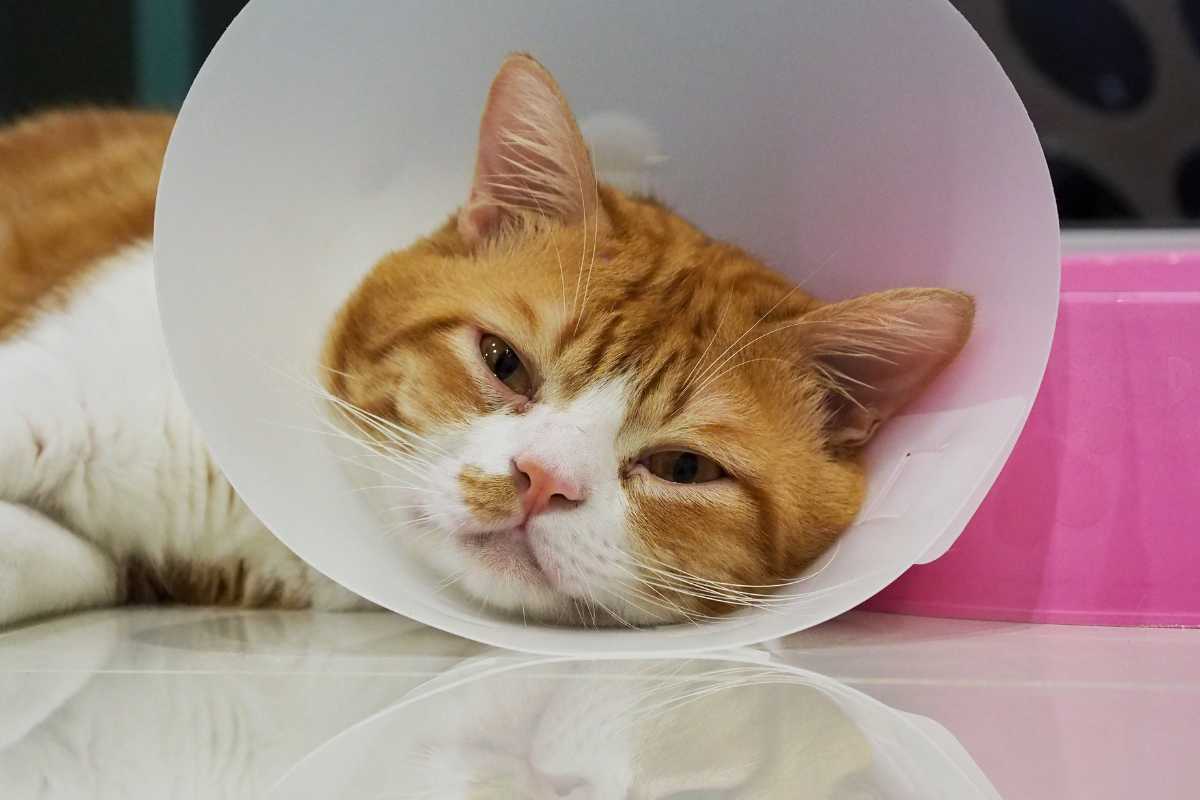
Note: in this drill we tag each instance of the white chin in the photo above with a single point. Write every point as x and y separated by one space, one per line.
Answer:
518 596
515 585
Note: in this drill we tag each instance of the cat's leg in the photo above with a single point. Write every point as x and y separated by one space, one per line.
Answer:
46 569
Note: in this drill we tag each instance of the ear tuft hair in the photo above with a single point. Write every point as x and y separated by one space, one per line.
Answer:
532 158
877 352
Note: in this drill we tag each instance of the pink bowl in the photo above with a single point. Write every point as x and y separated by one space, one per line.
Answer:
1095 519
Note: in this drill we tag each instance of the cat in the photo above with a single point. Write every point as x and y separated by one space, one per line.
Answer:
603 415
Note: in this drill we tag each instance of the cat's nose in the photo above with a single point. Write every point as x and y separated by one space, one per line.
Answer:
543 487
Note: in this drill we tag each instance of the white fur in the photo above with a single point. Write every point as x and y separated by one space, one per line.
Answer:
94 433
586 548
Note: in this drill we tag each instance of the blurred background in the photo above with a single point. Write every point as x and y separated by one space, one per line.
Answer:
1113 86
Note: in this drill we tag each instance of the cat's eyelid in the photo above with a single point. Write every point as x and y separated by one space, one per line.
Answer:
479 331
731 460
725 480
644 457
478 334
674 445
674 448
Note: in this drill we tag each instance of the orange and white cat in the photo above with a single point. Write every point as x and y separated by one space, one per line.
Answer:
601 414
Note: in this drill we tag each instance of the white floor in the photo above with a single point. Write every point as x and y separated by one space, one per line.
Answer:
204 704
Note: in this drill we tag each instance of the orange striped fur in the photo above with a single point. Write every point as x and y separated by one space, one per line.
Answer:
75 186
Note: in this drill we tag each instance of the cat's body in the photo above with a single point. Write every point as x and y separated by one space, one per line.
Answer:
107 492
588 410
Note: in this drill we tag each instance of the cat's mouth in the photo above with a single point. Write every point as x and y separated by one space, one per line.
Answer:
508 552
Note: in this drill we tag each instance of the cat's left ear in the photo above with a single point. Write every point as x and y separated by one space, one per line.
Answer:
877 352
532 158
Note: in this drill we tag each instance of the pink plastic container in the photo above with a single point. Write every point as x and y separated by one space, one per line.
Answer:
1095 519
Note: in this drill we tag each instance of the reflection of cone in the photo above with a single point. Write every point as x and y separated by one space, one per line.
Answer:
639 728
751 740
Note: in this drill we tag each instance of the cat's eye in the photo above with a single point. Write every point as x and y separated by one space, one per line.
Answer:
683 466
505 364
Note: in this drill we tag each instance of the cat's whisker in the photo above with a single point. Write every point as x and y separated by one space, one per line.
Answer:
385 428
321 392
376 470
593 601
828 558
700 360
871 348
595 241
578 614
739 587
393 430
714 378
392 486
420 520
675 582
374 448
715 597
626 623
417 468
446 536
411 471
715 593
673 608
824 263
718 361
620 619
336 433
391 458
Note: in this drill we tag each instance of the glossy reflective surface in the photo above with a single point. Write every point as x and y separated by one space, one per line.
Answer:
196 703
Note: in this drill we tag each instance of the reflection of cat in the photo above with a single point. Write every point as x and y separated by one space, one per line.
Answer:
172 727
658 731
590 410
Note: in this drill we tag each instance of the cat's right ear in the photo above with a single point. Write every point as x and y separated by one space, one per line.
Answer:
532 157
879 351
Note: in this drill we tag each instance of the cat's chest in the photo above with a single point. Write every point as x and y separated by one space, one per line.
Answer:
119 457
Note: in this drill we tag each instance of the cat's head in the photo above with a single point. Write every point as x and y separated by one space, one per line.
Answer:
592 410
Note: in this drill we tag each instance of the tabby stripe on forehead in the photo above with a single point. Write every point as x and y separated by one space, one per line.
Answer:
602 344
680 303
633 289
525 310
412 332
679 399
677 283
648 388
635 347
703 322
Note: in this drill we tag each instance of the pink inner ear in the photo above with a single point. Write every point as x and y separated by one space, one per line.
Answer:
531 156
882 350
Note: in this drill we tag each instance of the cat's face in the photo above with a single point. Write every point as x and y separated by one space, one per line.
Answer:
591 410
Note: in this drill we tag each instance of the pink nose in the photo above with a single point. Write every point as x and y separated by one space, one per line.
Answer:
540 486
